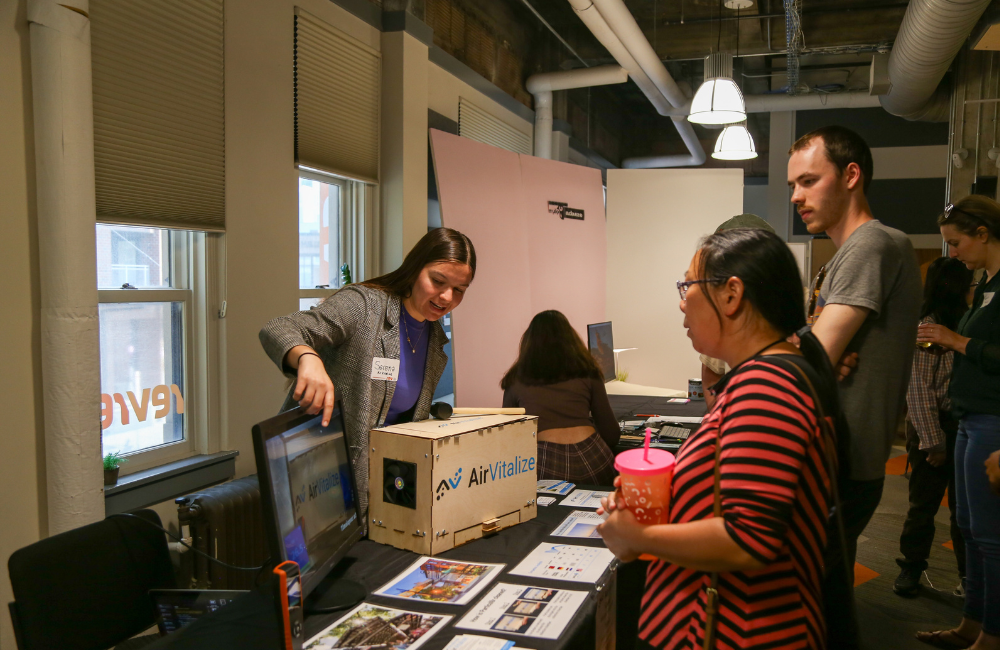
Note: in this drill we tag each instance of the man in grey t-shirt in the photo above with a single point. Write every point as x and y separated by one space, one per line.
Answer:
864 308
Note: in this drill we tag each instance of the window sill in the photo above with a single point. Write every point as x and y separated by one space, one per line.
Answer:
157 484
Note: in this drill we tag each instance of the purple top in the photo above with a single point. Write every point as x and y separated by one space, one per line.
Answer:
411 364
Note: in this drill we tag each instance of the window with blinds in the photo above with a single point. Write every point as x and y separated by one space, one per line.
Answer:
159 112
476 124
337 92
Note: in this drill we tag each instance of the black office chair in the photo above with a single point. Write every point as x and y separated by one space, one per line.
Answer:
87 588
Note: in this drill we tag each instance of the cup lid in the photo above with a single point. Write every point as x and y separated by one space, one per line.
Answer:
632 462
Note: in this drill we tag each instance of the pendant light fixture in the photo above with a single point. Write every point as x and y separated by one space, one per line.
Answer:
719 100
734 143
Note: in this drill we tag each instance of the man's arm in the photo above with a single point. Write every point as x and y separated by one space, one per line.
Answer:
836 326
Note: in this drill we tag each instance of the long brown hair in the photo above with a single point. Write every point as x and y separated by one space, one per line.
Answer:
972 212
551 351
438 245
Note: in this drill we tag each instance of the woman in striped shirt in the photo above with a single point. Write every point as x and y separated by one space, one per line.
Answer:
742 298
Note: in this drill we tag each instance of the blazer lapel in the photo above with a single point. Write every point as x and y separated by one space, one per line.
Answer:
389 345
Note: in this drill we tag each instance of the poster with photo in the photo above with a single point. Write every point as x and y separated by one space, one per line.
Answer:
565 562
434 580
580 523
584 499
373 625
528 611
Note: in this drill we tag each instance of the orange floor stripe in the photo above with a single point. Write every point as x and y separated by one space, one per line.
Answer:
944 501
896 466
949 544
863 574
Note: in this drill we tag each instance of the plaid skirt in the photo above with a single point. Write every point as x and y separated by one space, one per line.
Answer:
588 462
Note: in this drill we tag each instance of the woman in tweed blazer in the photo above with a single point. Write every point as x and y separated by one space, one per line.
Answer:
336 343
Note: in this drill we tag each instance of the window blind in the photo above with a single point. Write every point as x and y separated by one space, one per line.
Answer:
159 112
476 124
337 95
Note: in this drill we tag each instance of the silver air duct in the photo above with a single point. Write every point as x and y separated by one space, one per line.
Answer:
930 37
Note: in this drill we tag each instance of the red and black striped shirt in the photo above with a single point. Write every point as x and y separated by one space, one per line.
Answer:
774 492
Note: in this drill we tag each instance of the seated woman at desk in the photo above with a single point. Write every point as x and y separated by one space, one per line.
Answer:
556 378
751 488
389 321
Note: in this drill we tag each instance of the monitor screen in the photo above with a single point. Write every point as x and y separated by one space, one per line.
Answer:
307 492
602 346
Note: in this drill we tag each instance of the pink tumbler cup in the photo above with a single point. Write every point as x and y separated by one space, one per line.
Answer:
646 476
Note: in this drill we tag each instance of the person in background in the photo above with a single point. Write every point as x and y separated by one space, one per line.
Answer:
391 320
866 300
971 228
752 488
712 370
931 433
556 378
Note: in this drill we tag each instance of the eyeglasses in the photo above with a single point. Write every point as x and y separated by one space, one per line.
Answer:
684 285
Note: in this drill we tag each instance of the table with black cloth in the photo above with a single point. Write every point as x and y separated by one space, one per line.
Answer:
250 621
627 406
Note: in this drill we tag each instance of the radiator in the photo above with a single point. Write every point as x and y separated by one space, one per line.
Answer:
225 522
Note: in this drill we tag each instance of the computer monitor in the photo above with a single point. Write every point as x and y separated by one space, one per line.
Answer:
307 491
601 344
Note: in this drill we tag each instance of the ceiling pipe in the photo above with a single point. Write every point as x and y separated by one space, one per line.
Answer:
595 21
620 20
543 84
770 103
932 33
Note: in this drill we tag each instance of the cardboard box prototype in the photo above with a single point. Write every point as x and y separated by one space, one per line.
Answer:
474 475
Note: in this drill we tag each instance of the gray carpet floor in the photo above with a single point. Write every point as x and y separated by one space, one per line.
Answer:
887 620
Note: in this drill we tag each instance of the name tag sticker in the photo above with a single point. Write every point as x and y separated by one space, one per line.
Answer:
385 369
987 297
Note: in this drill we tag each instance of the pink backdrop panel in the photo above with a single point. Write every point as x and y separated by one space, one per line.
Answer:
479 187
567 256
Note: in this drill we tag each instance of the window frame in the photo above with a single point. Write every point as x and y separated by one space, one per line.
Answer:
343 221
195 267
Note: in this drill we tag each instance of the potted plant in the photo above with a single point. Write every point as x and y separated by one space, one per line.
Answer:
112 465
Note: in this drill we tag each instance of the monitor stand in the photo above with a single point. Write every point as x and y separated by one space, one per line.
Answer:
341 595
336 592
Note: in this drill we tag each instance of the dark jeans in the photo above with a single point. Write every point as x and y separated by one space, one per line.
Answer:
858 501
978 514
927 488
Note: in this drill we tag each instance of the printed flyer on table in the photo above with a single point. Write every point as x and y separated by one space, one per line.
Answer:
580 523
565 562
373 625
529 611
435 580
585 499
553 486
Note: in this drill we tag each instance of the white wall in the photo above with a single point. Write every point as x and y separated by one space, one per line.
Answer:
22 450
655 219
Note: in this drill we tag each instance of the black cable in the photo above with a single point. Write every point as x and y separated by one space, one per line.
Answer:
183 543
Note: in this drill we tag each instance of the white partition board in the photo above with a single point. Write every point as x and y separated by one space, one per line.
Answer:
656 217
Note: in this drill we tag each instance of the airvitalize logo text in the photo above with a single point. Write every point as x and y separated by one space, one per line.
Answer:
484 474
500 470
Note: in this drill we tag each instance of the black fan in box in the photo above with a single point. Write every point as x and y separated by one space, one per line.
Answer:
399 483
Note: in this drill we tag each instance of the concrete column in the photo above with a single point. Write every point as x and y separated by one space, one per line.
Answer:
403 182
779 208
63 107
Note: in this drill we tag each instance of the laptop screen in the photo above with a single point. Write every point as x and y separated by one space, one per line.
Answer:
177 608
